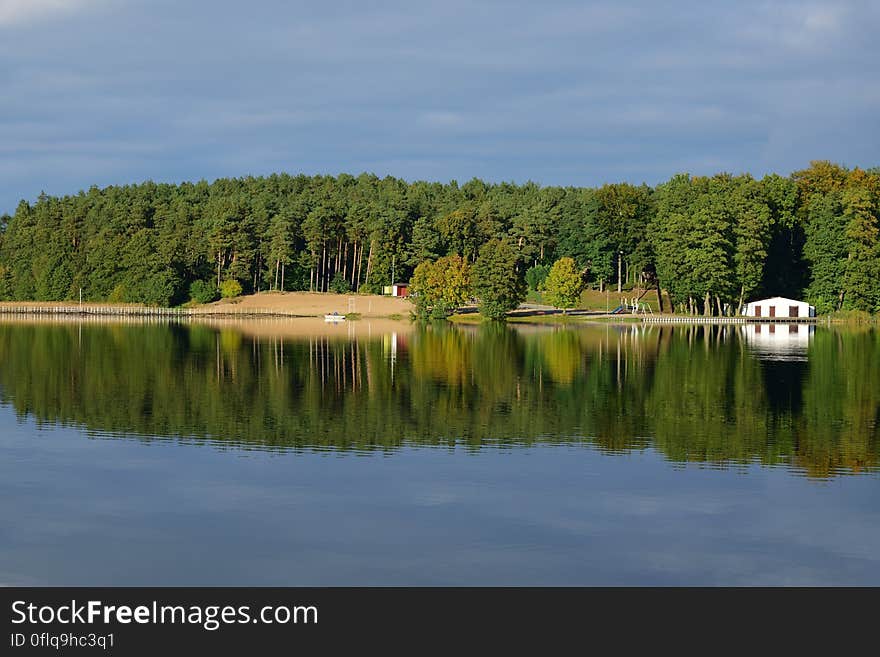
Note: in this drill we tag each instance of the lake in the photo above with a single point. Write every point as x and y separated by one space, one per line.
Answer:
292 453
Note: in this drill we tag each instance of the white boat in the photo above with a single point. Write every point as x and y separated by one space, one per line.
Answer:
334 317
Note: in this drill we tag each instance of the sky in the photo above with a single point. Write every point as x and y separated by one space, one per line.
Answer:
101 92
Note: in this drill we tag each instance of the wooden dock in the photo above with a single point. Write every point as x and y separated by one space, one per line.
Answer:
696 319
47 310
115 311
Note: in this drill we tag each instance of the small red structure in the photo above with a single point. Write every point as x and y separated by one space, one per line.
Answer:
399 290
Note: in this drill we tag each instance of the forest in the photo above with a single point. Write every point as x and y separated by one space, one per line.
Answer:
711 242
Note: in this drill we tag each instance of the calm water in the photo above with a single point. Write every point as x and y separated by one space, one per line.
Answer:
247 454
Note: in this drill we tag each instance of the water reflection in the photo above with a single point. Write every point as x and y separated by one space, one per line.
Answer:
776 341
721 395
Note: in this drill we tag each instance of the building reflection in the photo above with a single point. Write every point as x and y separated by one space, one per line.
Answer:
778 341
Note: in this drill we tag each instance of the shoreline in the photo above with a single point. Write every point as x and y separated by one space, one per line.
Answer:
315 305
292 305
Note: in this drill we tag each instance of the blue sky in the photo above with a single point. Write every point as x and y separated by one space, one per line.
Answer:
115 91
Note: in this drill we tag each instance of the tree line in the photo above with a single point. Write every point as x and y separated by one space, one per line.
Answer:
710 242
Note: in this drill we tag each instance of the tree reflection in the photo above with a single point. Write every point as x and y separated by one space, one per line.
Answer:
697 394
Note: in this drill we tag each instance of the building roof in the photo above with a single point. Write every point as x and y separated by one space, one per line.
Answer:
777 300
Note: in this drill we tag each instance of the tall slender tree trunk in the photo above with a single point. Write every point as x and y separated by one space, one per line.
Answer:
277 267
354 259
619 272
660 298
707 305
370 262
282 277
843 290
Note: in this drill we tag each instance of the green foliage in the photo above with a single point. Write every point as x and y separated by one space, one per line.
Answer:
339 285
159 289
230 288
564 284
441 287
861 281
535 277
203 291
499 279
710 242
711 238
119 294
459 231
281 248
622 213
826 251
5 284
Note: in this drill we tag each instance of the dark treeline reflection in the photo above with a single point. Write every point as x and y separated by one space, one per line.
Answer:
701 394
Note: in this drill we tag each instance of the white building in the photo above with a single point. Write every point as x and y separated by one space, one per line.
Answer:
779 307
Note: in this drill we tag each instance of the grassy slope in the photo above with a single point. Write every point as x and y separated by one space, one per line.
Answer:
603 301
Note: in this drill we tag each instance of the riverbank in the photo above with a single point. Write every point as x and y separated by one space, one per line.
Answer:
553 317
362 306
274 304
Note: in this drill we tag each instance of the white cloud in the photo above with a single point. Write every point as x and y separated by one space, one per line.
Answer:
14 12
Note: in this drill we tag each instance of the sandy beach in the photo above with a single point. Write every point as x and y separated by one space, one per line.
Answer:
313 304
293 304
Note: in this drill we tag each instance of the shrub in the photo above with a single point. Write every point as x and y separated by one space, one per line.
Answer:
202 291
119 294
851 316
159 289
535 277
442 310
229 289
339 284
